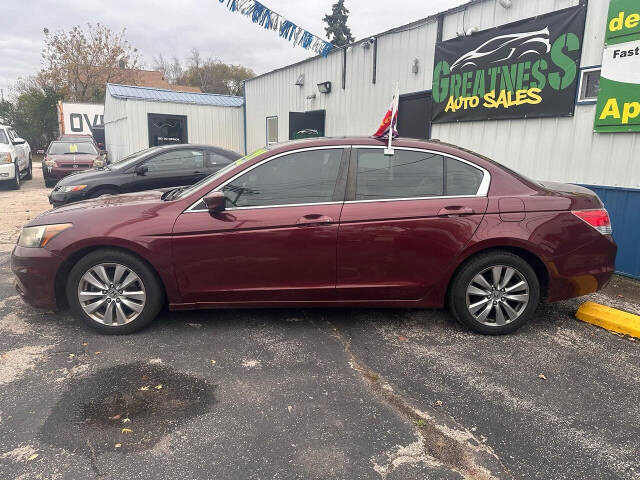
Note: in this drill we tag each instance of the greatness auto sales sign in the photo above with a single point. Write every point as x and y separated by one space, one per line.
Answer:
524 69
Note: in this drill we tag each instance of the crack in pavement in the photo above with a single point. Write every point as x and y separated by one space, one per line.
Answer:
436 444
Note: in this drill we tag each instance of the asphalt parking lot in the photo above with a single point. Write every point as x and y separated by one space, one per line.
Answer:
312 394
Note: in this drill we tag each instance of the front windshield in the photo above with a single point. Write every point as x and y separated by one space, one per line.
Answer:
3 137
72 148
129 160
196 186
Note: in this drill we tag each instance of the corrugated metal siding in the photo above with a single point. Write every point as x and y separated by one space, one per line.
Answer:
173 96
623 206
356 110
126 125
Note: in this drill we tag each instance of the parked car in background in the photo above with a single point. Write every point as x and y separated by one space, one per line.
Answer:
64 157
153 168
324 222
15 158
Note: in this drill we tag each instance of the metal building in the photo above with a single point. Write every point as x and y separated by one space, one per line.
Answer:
136 118
348 92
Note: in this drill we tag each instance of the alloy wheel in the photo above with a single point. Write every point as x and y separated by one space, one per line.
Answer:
111 294
498 295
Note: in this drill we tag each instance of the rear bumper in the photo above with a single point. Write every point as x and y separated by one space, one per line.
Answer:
35 273
7 171
583 271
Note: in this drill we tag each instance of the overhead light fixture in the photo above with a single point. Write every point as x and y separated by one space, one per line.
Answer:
324 87
300 80
416 66
506 3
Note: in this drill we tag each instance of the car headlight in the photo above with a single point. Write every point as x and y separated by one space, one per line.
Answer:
71 188
50 163
36 237
99 163
5 157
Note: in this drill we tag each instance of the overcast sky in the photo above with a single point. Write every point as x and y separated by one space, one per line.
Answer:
174 27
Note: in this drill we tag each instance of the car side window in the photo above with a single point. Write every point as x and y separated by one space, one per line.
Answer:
297 178
176 160
462 178
406 174
12 134
3 137
215 161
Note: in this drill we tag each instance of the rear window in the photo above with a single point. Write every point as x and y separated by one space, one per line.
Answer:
72 148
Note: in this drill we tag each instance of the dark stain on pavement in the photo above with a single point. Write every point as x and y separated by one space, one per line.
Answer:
125 408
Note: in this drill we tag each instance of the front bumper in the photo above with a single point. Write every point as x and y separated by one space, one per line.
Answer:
7 171
58 173
35 274
57 198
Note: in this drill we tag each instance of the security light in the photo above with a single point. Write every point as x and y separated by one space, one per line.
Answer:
324 87
300 80
506 3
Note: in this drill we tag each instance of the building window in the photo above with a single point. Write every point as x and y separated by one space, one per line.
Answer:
272 130
589 84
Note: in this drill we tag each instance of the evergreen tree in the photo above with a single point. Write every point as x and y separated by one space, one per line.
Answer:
337 30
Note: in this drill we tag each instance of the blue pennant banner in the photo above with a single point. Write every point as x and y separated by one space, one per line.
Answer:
270 20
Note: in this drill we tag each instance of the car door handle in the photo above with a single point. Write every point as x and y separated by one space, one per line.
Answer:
314 219
455 210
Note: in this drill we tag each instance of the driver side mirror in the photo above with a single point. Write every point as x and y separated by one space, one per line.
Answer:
18 141
216 202
141 170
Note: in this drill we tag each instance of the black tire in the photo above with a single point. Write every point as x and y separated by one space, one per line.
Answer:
15 183
103 191
29 174
152 286
462 280
50 182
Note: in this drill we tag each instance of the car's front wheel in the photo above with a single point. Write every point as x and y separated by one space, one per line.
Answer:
495 293
114 292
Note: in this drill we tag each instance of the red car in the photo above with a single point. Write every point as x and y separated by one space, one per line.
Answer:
324 223
64 157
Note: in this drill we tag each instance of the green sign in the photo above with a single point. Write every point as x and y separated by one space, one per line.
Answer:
623 24
618 108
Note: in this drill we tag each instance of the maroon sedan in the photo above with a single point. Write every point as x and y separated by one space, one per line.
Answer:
65 157
324 223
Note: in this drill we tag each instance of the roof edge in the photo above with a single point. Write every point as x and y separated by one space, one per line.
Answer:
168 90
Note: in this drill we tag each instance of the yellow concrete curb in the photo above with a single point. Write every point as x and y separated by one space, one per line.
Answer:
609 318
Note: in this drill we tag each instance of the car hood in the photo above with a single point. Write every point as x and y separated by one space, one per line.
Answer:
92 210
86 177
4 147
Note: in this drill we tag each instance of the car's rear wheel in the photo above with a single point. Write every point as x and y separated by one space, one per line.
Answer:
29 174
15 183
495 293
114 292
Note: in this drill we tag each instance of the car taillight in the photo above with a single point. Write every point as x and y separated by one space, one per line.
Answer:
598 219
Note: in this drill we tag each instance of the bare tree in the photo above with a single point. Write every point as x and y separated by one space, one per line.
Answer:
171 70
81 61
